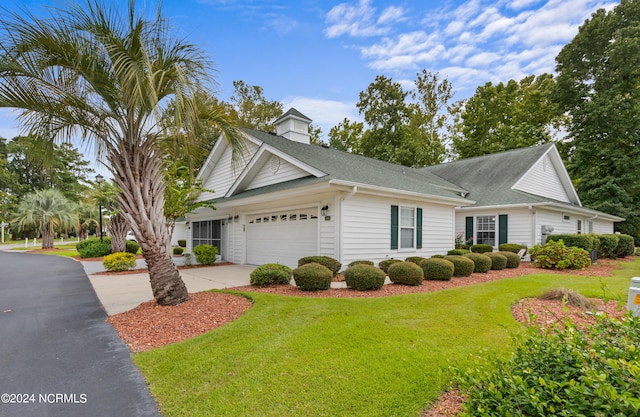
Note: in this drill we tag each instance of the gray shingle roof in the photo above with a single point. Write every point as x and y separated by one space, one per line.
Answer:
489 178
339 165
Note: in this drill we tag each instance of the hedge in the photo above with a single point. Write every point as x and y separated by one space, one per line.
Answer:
587 242
270 274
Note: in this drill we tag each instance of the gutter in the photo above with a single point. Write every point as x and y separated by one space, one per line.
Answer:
386 191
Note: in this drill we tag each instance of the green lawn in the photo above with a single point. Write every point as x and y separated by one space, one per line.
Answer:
295 356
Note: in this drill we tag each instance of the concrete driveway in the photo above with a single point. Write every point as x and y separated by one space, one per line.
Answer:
119 293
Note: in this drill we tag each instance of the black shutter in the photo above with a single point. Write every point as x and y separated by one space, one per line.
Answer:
394 227
418 228
468 228
503 229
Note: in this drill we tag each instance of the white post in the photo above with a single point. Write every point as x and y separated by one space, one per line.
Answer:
61 239
3 224
26 242
34 241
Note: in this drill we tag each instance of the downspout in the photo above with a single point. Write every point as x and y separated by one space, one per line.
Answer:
340 224
533 225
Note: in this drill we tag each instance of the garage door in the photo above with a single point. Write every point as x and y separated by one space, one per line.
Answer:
282 237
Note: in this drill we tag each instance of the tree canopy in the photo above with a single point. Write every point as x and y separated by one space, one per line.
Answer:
507 116
598 86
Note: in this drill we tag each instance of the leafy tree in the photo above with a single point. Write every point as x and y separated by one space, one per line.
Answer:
347 136
506 116
253 109
403 127
597 84
48 211
109 75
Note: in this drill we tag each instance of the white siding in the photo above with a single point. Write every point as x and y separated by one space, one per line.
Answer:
225 172
366 229
274 171
543 180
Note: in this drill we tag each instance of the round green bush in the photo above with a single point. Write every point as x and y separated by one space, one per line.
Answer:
119 261
481 248
406 273
363 277
438 256
625 246
437 269
360 262
482 263
457 251
385 264
513 260
182 243
463 267
328 262
498 261
510 247
177 250
270 274
205 254
415 259
312 277
94 248
132 247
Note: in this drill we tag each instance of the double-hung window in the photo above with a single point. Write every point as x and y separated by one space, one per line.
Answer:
406 227
486 230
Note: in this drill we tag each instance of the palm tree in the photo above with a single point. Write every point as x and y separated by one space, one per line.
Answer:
90 70
48 211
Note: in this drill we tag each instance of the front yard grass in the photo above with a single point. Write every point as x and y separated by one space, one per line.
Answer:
294 356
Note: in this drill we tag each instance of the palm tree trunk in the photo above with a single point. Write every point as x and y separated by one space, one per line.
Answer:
118 227
47 238
137 171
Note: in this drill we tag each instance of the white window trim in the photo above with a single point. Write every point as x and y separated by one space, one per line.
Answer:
476 228
400 227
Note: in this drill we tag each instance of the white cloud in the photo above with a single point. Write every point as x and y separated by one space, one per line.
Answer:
390 15
352 20
483 59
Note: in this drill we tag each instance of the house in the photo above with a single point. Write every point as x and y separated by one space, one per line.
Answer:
520 196
282 198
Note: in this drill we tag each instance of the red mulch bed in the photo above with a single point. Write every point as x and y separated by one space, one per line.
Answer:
150 326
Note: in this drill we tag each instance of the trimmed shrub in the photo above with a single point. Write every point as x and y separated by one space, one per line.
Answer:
498 260
384 265
119 261
362 262
482 263
270 274
132 247
312 277
510 247
415 259
364 277
182 243
625 246
513 260
94 248
205 254
463 266
481 248
587 242
406 273
438 256
177 251
437 269
328 262
555 255
458 252
608 245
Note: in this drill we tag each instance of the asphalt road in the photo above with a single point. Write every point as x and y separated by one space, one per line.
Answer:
58 356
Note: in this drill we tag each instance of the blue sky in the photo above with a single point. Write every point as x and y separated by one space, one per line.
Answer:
318 55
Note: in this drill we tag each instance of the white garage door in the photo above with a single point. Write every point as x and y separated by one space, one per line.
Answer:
282 237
